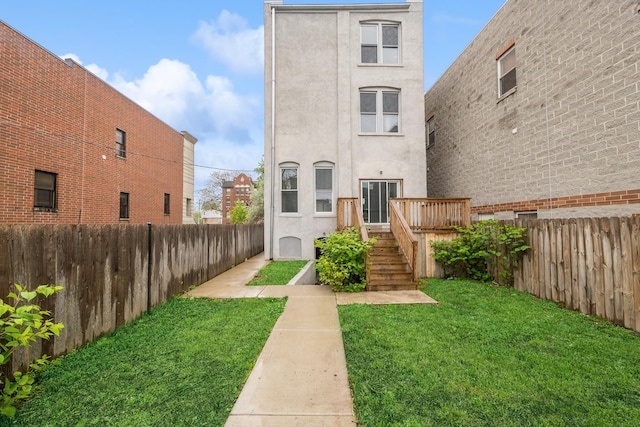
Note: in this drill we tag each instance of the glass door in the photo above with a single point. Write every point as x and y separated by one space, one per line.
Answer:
375 200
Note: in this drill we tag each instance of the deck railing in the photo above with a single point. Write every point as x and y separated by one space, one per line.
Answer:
405 237
435 214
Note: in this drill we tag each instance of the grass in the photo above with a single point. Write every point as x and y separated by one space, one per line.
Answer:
489 356
183 364
277 273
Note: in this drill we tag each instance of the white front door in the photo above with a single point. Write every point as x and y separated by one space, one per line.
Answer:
375 197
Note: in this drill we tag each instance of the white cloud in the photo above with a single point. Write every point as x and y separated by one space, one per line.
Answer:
100 72
231 41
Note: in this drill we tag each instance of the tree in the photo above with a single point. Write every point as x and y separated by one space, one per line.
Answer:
256 210
211 194
239 213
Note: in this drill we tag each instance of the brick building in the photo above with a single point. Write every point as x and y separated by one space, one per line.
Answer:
540 114
234 191
75 150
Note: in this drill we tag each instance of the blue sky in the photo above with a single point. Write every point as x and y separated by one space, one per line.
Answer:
197 64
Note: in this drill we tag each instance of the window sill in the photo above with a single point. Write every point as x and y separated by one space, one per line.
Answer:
507 94
291 214
124 219
368 65
392 134
324 215
43 209
118 156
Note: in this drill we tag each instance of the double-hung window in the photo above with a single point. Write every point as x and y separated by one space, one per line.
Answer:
121 143
124 205
44 190
506 71
379 43
289 188
324 187
431 131
167 204
379 111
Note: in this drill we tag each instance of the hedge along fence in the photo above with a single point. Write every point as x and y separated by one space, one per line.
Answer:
112 274
591 265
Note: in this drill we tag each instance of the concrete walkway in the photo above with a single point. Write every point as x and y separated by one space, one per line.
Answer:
300 377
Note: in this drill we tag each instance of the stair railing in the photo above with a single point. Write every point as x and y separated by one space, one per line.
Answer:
405 237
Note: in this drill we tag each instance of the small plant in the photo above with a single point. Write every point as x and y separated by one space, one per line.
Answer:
483 251
21 323
342 260
239 213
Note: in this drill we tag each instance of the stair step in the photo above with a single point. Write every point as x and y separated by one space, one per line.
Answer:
389 286
389 266
392 276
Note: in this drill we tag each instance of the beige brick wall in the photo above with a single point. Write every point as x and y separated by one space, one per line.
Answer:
572 127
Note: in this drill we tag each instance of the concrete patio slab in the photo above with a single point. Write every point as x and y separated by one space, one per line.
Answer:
381 297
281 291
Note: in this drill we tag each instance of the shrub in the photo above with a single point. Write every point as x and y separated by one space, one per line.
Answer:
341 264
21 323
483 251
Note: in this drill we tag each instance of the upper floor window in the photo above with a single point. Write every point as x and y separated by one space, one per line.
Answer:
289 189
124 205
506 71
120 143
431 131
44 190
324 187
379 43
167 204
189 207
379 111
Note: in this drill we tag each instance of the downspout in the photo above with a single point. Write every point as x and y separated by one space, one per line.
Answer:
273 126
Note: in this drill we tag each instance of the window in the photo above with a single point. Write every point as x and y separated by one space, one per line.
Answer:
379 111
124 205
507 71
379 43
289 189
189 206
120 143
167 204
527 215
227 191
324 187
431 131
44 190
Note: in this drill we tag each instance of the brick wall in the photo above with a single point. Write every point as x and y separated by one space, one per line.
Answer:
57 117
568 137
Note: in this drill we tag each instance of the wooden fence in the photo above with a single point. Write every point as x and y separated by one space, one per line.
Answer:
112 274
591 265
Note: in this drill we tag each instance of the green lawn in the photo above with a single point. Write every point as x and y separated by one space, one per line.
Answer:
277 273
489 356
184 364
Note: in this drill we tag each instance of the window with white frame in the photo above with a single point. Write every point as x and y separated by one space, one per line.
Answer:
379 43
289 188
506 71
324 187
379 110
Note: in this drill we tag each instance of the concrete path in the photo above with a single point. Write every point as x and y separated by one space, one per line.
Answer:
300 377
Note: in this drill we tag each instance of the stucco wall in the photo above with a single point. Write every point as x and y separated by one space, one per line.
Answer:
317 113
572 127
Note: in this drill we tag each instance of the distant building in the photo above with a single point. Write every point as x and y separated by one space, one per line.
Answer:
344 117
211 217
236 191
540 115
75 150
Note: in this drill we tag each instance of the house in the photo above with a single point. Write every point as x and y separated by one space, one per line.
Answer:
235 191
76 151
540 115
211 217
344 117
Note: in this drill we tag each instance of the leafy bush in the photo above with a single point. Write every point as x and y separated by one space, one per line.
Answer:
483 251
239 214
342 260
21 323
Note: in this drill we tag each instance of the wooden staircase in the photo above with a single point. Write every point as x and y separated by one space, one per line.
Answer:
388 267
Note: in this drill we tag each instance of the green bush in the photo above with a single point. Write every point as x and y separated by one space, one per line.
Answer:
484 251
21 323
341 264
